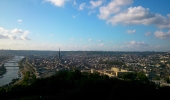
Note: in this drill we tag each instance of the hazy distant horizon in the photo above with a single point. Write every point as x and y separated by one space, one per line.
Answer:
81 50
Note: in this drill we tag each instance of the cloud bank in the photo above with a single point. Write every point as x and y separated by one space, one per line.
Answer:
58 3
15 34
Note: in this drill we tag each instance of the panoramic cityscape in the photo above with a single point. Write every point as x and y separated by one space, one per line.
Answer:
29 66
42 64
81 49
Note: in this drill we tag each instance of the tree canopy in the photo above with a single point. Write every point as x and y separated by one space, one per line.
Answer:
74 85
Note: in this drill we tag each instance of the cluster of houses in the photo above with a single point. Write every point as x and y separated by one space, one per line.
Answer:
156 66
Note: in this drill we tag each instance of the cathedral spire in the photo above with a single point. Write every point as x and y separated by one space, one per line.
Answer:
59 54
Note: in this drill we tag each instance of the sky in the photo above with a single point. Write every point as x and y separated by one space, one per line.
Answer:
85 25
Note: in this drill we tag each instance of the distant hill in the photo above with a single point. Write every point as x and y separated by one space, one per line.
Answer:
37 52
24 52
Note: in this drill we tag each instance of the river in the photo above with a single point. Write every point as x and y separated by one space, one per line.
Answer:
12 70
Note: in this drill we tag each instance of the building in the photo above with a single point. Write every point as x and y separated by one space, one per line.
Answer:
120 72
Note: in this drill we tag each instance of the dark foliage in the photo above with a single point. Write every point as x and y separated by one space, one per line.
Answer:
74 85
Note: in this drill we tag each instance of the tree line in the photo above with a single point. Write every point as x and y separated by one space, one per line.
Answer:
75 85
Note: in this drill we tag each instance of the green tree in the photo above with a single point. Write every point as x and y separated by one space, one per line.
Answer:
130 76
142 77
167 80
75 74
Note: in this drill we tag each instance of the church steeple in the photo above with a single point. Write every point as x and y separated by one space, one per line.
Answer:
59 54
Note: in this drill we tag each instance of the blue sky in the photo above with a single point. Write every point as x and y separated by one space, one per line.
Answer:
107 25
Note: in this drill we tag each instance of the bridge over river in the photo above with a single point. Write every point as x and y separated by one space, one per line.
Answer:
12 70
13 62
9 64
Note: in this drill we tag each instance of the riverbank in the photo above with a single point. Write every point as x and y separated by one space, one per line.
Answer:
11 72
2 70
19 82
3 59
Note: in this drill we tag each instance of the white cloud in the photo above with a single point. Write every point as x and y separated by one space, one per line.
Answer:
139 15
7 36
131 31
99 40
26 32
162 35
13 37
24 37
158 46
101 44
7 31
19 21
18 43
4 36
148 33
113 7
73 16
134 15
82 6
164 21
15 34
95 4
2 30
90 12
75 3
134 46
89 39
58 3
17 31
141 46
134 43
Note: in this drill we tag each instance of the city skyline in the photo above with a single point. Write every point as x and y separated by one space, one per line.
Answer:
106 25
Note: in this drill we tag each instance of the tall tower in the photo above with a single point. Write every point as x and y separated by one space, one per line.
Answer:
59 54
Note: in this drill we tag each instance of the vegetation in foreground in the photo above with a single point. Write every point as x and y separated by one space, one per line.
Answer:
74 85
